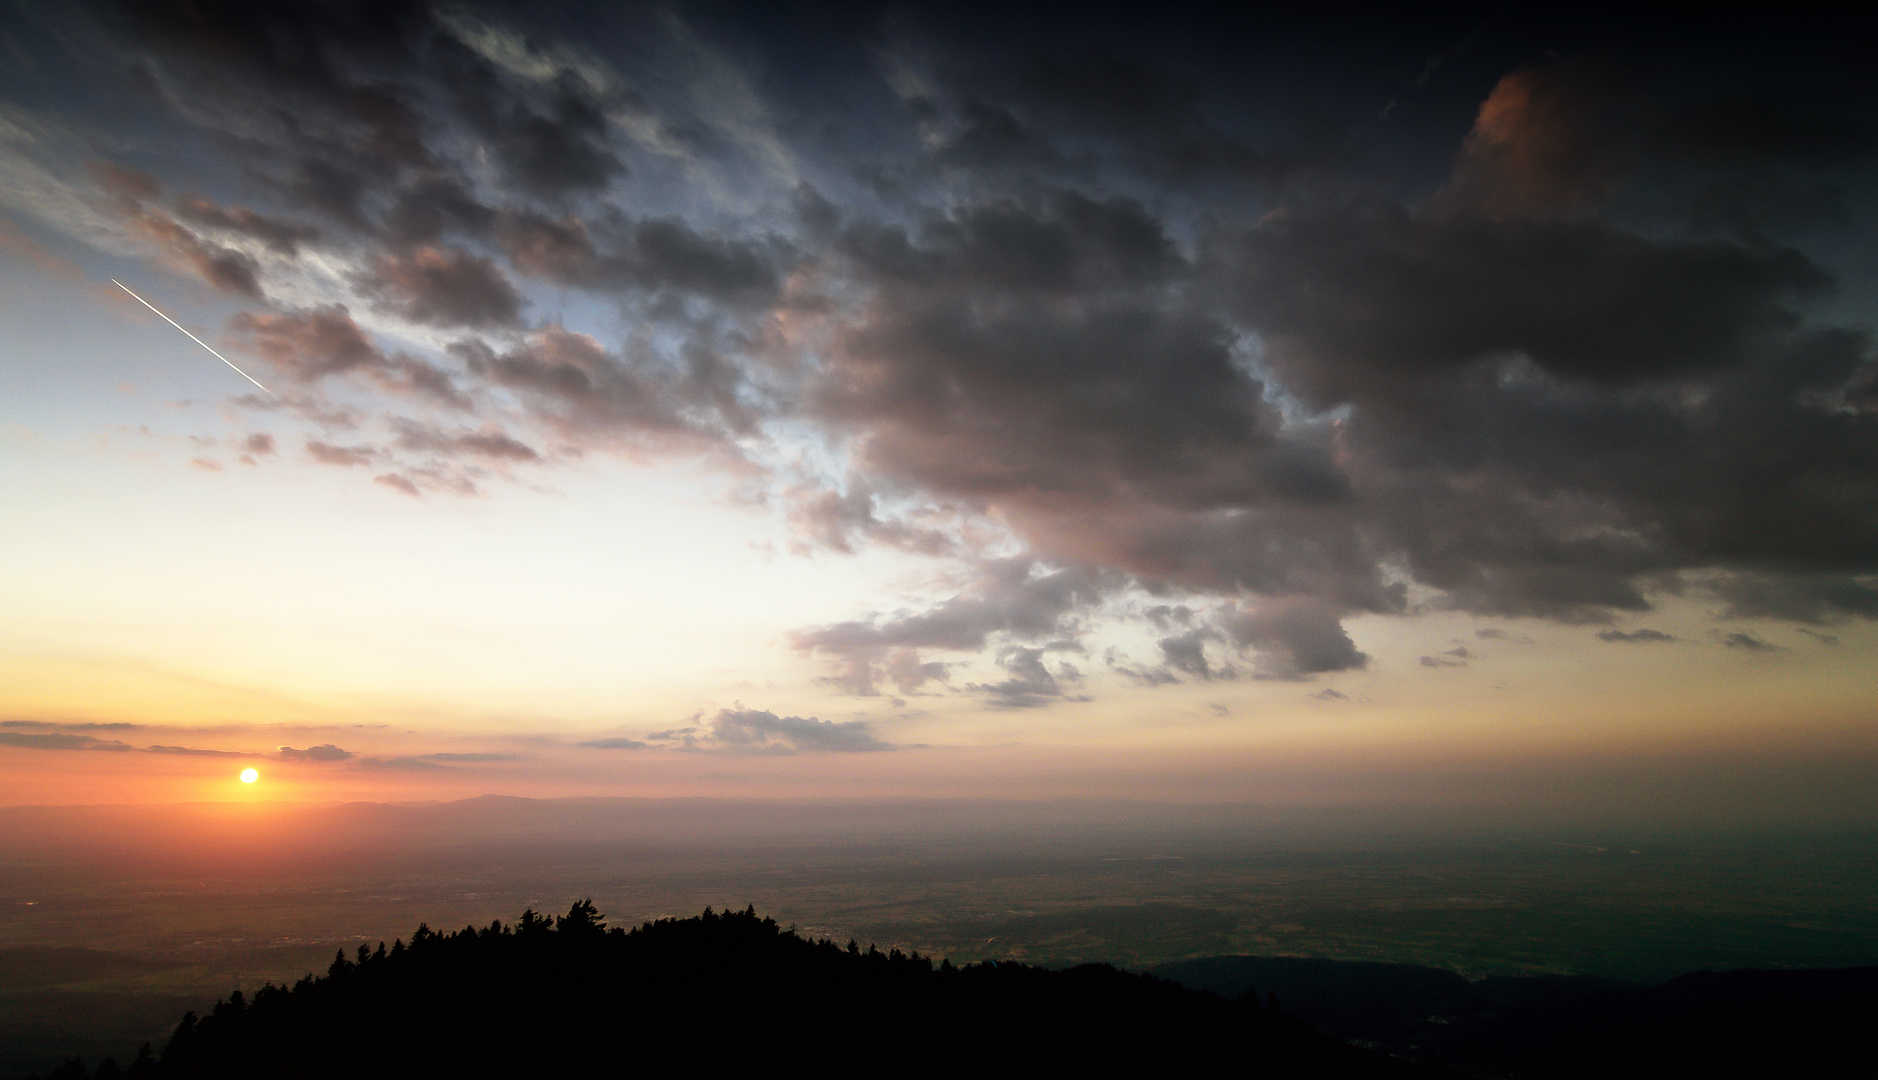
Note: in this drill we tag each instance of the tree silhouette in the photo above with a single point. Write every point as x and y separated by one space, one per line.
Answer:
719 992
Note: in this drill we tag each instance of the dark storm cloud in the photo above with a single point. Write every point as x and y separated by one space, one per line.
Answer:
1153 116
657 253
1814 599
550 143
1759 120
1048 357
1353 301
426 207
557 152
443 286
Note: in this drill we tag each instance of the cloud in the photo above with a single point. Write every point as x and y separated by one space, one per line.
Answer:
1177 344
548 148
1456 657
325 752
1823 639
1187 653
1031 683
319 343
1018 597
1640 635
1152 118
654 254
754 730
58 735
397 482
399 764
345 456
443 286
60 741
1495 634
1299 637
469 757
841 521
615 744
194 751
1373 291
1327 694
73 725
1748 643
1810 598
588 393
282 237
1539 146
491 443
133 194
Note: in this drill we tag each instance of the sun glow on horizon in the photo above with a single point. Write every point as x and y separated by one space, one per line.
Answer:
249 776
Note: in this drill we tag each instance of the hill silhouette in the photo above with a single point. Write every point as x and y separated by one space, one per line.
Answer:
572 996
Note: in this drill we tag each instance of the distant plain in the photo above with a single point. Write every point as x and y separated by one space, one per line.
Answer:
113 921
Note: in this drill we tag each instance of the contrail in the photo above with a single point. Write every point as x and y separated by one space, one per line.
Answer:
196 339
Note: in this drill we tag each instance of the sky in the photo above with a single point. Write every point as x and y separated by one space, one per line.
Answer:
938 400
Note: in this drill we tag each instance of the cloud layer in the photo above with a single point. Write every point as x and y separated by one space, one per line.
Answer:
1547 337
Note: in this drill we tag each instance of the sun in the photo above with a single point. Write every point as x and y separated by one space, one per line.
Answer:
249 776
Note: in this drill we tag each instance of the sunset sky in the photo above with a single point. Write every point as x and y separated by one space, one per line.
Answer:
850 399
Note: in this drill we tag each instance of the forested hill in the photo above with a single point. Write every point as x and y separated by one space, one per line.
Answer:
571 996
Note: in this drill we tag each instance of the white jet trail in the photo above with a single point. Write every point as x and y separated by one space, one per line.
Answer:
196 339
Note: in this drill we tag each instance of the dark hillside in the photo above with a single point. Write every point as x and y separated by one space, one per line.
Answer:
1381 1003
1789 1024
719 992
